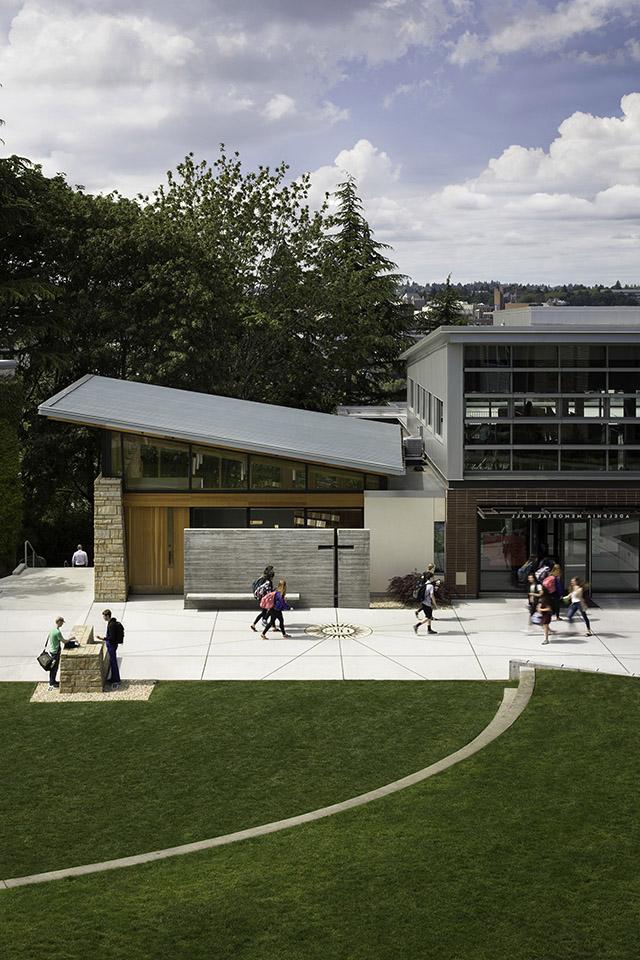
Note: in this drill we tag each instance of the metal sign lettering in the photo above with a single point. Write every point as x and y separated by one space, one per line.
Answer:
555 513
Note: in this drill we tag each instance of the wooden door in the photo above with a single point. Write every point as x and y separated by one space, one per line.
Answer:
155 545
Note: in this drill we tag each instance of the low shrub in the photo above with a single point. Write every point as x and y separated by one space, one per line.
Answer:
402 588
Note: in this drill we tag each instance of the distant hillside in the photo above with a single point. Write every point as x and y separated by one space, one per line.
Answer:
571 294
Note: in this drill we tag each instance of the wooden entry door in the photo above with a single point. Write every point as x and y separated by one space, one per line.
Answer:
155 545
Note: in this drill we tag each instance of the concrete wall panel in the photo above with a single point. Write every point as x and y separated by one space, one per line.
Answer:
228 560
353 568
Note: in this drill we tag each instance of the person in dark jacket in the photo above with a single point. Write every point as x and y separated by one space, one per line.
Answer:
263 586
112 639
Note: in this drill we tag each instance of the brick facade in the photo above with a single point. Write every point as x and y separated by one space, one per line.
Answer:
462 518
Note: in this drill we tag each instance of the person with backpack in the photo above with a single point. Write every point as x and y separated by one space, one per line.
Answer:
261 587
418 593
277 604
428 601
113 638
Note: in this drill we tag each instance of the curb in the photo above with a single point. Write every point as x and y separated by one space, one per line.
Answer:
514 702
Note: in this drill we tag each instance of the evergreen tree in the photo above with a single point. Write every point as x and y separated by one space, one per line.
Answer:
445 309
365 324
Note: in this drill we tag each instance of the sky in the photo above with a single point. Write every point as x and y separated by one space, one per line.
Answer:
490 139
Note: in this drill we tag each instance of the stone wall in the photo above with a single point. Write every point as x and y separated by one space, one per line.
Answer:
110 545
83 669
228 560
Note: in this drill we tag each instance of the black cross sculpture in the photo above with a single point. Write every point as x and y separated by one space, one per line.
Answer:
335 546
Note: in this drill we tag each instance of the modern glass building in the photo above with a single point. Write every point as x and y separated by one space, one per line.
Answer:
534 427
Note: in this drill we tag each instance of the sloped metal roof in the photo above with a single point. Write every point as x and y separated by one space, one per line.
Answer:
225 422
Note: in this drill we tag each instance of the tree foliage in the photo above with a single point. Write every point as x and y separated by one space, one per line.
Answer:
445 308
365 325
223 281
10 487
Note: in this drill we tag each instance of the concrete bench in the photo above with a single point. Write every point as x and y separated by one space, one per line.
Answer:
83 669
227 601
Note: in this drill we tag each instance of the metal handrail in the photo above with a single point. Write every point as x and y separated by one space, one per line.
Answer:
34 556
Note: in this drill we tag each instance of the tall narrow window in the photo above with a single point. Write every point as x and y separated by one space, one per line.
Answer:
439 417
438 545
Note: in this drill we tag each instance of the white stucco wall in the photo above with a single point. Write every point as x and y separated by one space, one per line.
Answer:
401 525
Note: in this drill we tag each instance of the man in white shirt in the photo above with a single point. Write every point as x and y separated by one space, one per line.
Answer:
80 558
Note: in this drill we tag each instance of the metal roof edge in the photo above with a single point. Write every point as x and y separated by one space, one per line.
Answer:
51 402
135 428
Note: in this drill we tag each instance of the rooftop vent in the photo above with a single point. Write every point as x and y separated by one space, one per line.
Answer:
413 450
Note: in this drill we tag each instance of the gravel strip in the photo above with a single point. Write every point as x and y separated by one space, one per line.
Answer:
128 690
390 605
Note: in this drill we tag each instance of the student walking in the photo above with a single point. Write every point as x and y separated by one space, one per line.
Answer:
544 612
276 612
428 574
428 600
113 638
261 587
552 583
577 603
54 644
534 591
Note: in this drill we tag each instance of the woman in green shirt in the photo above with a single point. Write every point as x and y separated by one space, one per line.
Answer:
55 640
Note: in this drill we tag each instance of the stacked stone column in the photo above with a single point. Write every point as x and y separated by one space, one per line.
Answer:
110 546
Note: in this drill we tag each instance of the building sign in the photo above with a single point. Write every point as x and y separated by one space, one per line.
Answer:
553 513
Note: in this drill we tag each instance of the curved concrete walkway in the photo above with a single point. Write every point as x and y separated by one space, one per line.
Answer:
513 703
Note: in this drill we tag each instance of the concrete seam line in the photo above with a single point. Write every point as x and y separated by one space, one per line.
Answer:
512 705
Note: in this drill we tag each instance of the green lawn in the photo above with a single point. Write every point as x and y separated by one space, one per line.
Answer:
526 851
202 759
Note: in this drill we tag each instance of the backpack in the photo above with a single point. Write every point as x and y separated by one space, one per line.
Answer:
418 590
542 572
525 570
260 587
268 600
549 583
119 633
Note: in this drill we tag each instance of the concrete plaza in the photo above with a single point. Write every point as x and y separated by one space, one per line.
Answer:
475 639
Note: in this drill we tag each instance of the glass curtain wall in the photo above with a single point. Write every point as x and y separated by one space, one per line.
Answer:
600 551
615 552
271 518
150 463
504 546
547 408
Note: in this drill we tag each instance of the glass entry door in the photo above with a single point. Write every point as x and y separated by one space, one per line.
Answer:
575 540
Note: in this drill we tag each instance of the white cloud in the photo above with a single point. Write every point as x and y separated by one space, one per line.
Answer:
280 105
532 213
540 29
405 90
372 169
114 91
334 114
